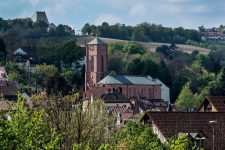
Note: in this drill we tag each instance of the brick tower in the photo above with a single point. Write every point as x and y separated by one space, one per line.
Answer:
96 64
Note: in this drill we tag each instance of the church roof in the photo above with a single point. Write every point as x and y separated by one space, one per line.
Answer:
96 41
127 80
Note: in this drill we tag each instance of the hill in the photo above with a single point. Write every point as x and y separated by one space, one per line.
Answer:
151 46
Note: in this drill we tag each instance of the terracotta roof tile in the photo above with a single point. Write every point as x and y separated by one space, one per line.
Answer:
172 123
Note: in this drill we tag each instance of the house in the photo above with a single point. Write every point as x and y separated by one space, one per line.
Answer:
213 104
24 60
142 105
40 16
98 82
118 105
115 99
169 124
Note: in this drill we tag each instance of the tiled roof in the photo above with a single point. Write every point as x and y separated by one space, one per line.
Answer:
128 80
172 123
8 88
96 41
218 102
117 109
149 104
114 97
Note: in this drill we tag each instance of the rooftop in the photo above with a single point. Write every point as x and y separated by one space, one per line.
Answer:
127 80
171 123
96 41
19 51
217 101
114 97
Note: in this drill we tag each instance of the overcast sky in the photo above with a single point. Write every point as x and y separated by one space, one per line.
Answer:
170 13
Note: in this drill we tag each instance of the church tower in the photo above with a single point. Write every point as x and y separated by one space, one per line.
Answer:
96 65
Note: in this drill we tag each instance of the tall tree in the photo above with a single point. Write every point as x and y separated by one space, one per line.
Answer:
186 100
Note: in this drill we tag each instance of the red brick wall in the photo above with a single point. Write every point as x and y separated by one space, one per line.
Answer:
148 91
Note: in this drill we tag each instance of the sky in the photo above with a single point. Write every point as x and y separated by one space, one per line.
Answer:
169 13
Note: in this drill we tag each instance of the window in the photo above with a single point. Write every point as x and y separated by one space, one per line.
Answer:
92 63
102 63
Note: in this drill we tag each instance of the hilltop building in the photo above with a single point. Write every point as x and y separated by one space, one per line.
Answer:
40 16
98 82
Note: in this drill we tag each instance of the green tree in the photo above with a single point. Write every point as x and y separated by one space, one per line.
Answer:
70 53
26 129
86 29
217 88
180 143
186 100
134 48
83 125
43 73
134 136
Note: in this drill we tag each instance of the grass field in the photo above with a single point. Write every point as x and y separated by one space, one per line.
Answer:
151 46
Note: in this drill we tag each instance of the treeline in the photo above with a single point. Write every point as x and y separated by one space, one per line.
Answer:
31 36
144 32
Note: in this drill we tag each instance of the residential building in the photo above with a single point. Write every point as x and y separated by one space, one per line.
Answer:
210 125
24 60
213 104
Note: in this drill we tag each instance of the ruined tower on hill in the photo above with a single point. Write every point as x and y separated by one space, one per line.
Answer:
40 16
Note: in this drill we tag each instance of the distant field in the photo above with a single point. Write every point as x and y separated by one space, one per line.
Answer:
151 46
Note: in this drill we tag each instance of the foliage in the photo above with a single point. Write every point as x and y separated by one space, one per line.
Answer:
179 143
142 32
70 53
83 125
134 48
44 73
137 136
217 87
26 129
185 100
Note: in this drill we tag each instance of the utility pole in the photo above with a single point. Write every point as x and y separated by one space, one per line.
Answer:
213 123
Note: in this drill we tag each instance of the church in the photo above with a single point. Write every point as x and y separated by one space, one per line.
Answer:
98 82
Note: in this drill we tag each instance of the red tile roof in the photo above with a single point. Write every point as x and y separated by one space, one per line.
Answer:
217 101
172 123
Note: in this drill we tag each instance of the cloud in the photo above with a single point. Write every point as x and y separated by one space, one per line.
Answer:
109 18
139 9
34 2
